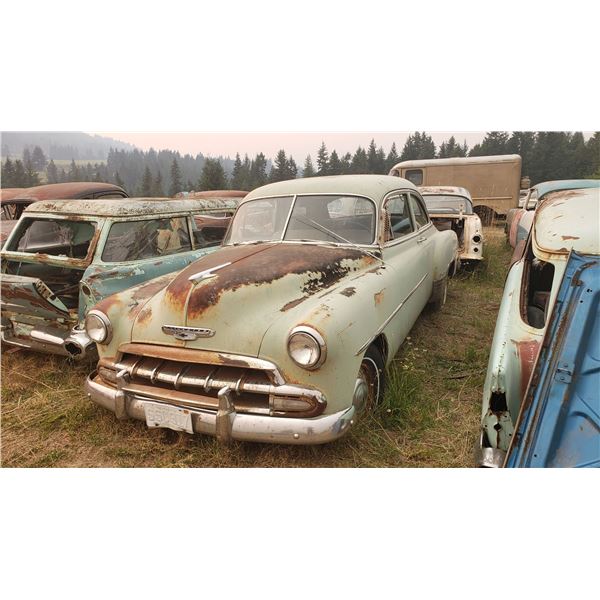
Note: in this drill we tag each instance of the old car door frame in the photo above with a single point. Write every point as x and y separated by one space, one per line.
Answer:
396 301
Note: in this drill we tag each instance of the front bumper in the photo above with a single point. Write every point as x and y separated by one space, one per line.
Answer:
74 344
226 424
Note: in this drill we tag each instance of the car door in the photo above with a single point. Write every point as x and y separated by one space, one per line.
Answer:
403 252
425 231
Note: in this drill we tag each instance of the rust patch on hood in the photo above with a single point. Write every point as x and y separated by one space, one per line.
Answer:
379 297
293 303
569 237
140 295
259 265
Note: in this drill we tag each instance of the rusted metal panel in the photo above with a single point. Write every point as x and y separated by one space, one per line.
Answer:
132 207
559 422
537 273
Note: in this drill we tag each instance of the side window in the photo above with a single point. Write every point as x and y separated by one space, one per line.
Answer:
419 211
399 222
415 176
209 230
136 240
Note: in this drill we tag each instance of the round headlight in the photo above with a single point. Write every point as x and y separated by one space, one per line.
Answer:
307 347
98 327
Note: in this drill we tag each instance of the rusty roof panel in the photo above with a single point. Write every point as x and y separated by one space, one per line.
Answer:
124 207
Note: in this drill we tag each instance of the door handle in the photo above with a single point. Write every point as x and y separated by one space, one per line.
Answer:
421 240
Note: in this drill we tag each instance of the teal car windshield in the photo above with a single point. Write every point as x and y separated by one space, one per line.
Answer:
313 218
448 204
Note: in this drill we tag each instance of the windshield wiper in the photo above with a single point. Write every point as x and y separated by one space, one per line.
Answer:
335 236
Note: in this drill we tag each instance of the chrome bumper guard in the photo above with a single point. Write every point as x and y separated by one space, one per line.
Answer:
226 424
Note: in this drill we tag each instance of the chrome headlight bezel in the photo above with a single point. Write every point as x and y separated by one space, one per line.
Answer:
311 336
101 318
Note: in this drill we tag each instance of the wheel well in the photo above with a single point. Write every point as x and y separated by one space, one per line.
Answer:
380 342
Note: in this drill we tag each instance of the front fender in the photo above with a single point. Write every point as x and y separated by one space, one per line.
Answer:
347 318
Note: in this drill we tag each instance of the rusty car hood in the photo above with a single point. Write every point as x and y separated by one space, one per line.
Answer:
246 289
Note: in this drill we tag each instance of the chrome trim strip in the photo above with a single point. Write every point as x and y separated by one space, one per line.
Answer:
207 273
394 313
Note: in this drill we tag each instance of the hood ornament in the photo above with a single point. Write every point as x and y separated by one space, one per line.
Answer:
207 274
187 334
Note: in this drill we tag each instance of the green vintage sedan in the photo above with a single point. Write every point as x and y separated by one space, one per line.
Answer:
282 335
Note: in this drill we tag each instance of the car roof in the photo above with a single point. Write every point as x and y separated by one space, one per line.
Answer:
213 194
546 187
460 160
9 193
120 207
568 219
73 189
375 187
448 190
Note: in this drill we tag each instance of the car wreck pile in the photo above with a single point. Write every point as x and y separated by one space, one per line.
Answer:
332 273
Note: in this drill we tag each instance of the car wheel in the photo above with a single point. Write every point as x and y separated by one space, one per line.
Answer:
440 292
370 381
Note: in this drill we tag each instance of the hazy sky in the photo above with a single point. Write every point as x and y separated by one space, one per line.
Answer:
295 143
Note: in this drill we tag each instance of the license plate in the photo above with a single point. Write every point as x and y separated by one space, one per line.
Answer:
169 417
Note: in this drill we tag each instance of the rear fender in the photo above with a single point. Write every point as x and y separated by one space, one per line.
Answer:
445 253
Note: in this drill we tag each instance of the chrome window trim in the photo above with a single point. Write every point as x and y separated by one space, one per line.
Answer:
423 208
415 231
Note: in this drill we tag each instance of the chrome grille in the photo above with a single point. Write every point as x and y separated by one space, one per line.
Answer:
254 390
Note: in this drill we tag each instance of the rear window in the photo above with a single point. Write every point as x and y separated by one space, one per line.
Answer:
56 237
136 240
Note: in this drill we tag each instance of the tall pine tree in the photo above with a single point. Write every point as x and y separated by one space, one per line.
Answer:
322 160
308 170
176 185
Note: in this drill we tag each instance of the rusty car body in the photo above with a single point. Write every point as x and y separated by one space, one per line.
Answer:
451 207
281 335
13 201
518 221
559 420
66 255
565 222
494 181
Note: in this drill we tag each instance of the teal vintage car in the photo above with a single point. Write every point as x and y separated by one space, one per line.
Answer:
66 255
283 334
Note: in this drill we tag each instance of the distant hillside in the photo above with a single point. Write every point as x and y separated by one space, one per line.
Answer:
60 145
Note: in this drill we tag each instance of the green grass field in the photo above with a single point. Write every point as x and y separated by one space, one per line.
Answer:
429 417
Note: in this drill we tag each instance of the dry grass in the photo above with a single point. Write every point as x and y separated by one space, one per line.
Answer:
429 418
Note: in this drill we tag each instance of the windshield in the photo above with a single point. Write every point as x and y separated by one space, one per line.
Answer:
56 237
448 204
137 240
331 218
